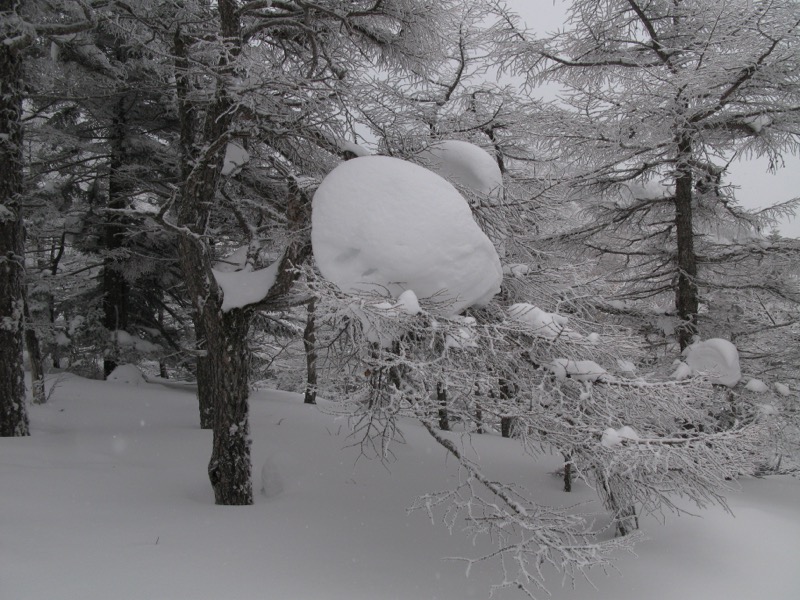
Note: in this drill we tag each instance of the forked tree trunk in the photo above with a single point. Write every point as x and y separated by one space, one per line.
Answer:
222 376
222 369
13 413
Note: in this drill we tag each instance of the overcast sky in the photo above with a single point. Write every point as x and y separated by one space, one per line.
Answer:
757 187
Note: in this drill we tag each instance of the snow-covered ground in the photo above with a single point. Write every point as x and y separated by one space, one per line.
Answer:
109 500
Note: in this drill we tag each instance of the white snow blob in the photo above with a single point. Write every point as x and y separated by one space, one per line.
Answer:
240 288
581 370
236 157
626 367
464 337
541 323
717 358
757 386
408 303
614 437
682 371
610 438
464 165
384 225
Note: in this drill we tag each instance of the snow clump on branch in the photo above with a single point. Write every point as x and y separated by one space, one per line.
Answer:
383 225
716 357
464 165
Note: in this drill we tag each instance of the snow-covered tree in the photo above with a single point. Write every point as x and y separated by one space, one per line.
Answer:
397 344
260 92
19 27
657 99
13 415
98 148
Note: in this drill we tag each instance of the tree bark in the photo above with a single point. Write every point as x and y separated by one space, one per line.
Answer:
229 468
115 286
34 358
205 389
309 343
13 413
441 398
506 423
222 367
567 474
686 293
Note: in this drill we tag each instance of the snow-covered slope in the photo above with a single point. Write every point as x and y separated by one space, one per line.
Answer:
109 499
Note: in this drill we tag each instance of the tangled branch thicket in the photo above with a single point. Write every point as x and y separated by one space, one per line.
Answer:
486 373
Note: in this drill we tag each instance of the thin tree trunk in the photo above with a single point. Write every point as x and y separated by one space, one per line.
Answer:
34 358
13 413
441 397
506 423
115 286
191 213
478 419
686 293
309 343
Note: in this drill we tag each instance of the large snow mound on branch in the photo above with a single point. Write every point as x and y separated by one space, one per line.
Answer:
386 225
464 165
716 357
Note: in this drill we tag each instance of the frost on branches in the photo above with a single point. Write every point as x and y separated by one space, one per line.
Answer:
512 365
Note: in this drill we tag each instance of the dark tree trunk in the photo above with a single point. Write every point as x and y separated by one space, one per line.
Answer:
191 213
13 413
309 343
34 358
441 398
567 474
115 286
229 468
46 299
506 423
686 293
205 389
222 367
222 376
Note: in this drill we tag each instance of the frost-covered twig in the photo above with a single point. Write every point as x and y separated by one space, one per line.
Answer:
527 537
